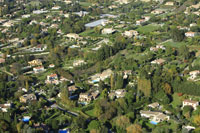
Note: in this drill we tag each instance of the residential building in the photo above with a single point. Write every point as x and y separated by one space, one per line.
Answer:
191 103
191 34
36 62
38 48
85 98
73 36
169 3
157 11
130 33
78 63
5 107
56 8
52 79
194 74
140 21
123 1
27 98
154 105
2 60
158 61
38 69
154 116
108 31
51 66
120 93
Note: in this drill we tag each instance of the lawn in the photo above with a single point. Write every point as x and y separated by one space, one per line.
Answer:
174 44
148 28
176 100
86 4
90 113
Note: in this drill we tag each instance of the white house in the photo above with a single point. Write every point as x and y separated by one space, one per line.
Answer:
130 33
52 79
5 107
154 116
194 74
191 34
38 69
154 105
56 8
158 61
169 3
108 31
79 62
194 104
73 36
140 21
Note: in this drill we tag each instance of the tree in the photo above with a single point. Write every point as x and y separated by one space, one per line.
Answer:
134 128
177 35
54 124
145 86
94 124
196 120
167 87
122 121
184 52
120 82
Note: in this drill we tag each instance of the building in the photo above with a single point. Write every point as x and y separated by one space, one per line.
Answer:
73 36
38 48
5 107
72 88
191 34
108 31
194 74
123 1
85 98
140 21
191 103
157 48
120 93
157 11
56 8
52 79
2 60
154 105
36 62
96 23
158 61
27 98
51 66
169 3
78 63
154 116
130 33
38 69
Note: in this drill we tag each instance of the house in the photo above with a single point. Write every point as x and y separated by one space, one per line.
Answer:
156 117
8 24
26 16
154 105
194 74
38 48
130 33
72 36
5 107
169 3
158 61
123 1
120 93
101 76
191 34
36 62
27 98
140 21
56 8
52 79
108 31
39 11
72 88
157 11
85 98
38 69
81 13
191 103
188 128
157 48
2 60
51 66
147 18
78 63
96 23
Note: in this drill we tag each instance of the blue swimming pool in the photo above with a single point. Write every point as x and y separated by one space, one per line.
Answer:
153 122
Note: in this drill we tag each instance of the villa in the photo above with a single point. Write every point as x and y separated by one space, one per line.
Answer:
191 103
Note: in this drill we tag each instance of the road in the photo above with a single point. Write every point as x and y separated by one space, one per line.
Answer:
60 108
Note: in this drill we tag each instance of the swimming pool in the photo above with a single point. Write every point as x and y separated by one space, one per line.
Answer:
153 122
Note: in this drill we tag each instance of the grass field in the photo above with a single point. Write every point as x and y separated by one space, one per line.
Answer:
174 44
147 28
86 4
176 100
90 113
